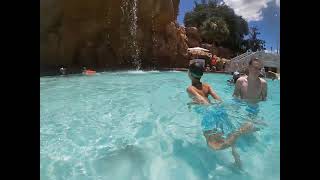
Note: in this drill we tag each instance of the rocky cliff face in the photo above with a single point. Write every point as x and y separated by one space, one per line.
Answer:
100 33
194 40
193 35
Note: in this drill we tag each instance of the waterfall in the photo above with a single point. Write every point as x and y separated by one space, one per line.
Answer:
133 32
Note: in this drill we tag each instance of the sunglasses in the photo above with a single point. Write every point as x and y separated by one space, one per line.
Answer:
201 61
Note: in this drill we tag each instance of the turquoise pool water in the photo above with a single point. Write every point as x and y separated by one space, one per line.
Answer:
137 125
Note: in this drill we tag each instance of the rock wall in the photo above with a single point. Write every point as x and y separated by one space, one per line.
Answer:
194 40
98 33
193 35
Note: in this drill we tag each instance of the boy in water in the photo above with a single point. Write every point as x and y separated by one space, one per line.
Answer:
252 88
197 91
216 137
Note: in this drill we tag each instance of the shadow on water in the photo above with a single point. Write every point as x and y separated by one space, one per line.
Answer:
246 141
123 164
206 163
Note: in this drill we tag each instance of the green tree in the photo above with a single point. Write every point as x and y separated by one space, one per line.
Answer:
254 43
214 30
209 12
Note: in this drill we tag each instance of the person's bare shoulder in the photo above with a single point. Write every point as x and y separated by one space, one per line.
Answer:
206 85
242 78
263 81
189 89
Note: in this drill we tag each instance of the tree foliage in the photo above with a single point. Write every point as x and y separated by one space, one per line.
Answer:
254 43
219 24
215 30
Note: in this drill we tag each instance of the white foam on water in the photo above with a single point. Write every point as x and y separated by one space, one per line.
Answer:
142 72
137 72
175 71
153 71
171 168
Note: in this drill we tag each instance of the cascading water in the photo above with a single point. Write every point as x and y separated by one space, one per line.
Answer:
129 9
133 18
154 40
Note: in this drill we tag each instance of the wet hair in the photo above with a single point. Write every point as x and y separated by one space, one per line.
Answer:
235 78
254 59
196 70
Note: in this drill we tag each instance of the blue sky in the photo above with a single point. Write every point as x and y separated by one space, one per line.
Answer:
265 14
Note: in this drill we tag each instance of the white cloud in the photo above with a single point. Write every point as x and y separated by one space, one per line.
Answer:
251 10
274 51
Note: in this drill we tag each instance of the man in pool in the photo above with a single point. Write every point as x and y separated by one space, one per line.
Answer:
252 87
199 93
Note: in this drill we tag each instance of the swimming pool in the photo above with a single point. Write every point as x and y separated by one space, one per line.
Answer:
137 125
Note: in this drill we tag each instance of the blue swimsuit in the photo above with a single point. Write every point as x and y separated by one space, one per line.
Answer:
215 118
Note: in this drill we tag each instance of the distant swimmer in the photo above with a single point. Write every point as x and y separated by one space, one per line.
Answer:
63 71
273 75
86 71
235 77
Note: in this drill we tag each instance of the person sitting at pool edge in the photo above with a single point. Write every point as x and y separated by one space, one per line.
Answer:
208 69
252 87
272 75
84 69
199 93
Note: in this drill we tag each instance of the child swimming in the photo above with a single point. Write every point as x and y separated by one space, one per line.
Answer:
218 131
